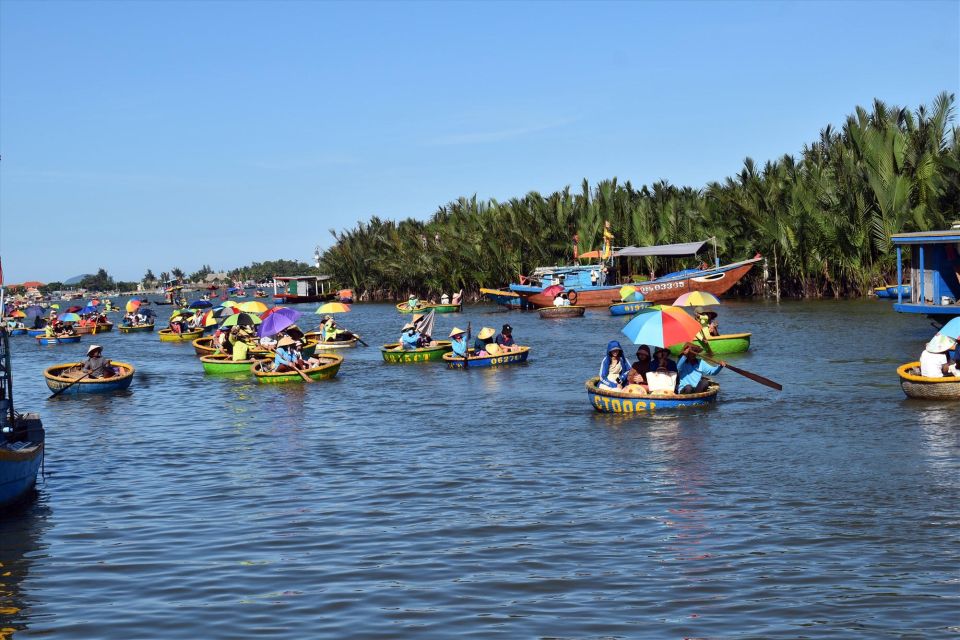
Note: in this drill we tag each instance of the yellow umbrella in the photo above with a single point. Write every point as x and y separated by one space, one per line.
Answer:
54 306
627 290
696 299
333 307
229 303
132 305
253 306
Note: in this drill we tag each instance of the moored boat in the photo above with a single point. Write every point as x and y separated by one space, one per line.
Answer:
21 438
166 335
916 386
57 339
136 328
327 369
507 357
403 307
88 328
607 400
721 345
36 332
393 354
882 292
506 298
330 344
628 308
71 379
222 363
569 311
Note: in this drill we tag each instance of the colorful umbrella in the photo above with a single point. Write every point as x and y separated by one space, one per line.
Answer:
34 311
209 319
333 307
224 311
229 303
626 291
73 309
662 326
253 306
952 329
200 304
696 299
186 313
552 290
54 306
293 314
275 323
70 317
133 305
88 309
18 314
241 319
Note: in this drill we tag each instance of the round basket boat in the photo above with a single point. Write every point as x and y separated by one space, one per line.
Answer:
507 357
17 332
570 311
916 386
330 344
62 375
88 329
628 308
57 339
36 332
615 401
204 347
221 363
327 369
166 335
135 328
721 345
403 307
393 353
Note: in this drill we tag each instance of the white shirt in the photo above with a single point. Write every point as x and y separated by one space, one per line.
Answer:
558 301
931 364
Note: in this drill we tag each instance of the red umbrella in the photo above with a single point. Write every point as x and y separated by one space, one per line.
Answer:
73 309
552 290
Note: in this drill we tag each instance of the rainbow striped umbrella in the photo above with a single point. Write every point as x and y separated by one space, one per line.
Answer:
662 326
333 307
696 299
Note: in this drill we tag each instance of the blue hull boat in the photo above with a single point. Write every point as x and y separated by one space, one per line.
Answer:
607 400
21 438
628 308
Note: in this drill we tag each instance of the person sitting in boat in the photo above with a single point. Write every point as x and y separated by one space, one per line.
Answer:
444 299
558 301
614 368
662 361
128 319
410 338
412 302
708 320
505 338
691 370
458 340
637 375
95 365
65 329
934 361
484 338
285 358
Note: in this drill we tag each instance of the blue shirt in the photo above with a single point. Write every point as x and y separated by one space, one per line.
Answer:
691 374
459 347
282 356
409 340
505 340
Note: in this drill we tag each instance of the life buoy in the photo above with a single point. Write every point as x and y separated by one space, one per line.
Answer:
572 296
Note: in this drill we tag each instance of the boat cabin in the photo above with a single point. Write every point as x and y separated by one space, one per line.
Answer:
301 288
933 273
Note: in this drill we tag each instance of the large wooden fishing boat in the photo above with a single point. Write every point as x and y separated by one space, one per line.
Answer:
508 357
606 400
327 369
916 386
71 380
136 328
167 335
221 363
394 354
588 285
721 345
21 438
57 339
569 311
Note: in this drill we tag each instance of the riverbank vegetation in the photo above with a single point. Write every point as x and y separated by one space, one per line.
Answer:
823 218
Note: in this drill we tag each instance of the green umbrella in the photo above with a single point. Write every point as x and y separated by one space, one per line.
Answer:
248 319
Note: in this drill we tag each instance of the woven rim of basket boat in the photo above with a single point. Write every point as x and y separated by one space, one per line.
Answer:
224 358
441 345
561 310
129 371
917 386
593 387
327 361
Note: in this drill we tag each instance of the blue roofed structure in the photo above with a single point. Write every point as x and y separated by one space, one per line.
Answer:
933 273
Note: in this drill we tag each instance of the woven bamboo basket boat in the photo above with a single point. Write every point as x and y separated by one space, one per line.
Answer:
62 375
393 354
221 363
916 386
570 311
166 335
327 369
607 400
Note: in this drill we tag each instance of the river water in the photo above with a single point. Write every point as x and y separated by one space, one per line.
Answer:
414 501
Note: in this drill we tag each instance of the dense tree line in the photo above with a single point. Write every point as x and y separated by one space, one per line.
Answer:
822 219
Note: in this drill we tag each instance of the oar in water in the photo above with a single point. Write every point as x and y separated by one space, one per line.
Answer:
747 374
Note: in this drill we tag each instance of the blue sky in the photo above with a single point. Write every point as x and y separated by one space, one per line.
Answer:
141 135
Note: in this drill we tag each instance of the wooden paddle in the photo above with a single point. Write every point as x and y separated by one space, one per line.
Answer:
747 374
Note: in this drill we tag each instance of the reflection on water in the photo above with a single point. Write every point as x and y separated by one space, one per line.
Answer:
416 501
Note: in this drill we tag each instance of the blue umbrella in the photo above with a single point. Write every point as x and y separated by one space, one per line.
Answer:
88 309
200 304
952 329
33 311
